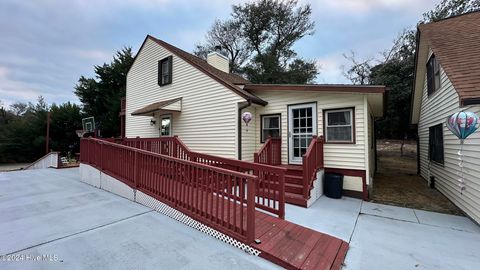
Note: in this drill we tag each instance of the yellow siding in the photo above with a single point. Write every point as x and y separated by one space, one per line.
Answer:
434 110
347 156
218 61
249 135
208 121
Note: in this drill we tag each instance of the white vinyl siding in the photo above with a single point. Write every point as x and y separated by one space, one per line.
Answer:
346 156
434 110
369 146
208 120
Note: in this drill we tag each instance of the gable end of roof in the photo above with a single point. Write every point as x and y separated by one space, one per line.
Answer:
228 80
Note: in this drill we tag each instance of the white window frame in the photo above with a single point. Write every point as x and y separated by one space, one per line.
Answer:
161 117
263 117
352 140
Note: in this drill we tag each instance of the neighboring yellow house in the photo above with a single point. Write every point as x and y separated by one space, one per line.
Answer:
171 92
447 80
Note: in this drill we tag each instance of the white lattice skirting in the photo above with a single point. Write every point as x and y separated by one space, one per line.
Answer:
96 178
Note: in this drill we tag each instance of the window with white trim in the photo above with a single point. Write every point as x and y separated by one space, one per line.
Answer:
165 126
270 127
339 126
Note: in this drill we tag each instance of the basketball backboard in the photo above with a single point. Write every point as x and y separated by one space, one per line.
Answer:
88 124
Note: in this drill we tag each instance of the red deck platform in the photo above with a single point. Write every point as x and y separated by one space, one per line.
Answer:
295 247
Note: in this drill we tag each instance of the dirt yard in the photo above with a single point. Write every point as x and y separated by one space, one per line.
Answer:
396 182
6 167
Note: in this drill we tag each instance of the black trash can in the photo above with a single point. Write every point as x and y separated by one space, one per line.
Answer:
333 185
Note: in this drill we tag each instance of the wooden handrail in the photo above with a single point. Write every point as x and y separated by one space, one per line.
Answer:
123 104
312 161
270 186
193 188
270 152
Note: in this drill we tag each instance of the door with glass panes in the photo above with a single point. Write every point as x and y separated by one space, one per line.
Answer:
165 127
302 125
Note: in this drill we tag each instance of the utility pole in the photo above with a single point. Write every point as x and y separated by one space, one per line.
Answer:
47 138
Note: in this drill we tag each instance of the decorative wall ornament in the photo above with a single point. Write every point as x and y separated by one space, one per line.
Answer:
153 121
247 117
462 124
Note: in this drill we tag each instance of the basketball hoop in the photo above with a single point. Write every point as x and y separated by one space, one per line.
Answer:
80 132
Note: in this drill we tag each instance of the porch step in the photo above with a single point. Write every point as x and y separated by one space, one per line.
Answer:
293 188
296 199
293 179
294 170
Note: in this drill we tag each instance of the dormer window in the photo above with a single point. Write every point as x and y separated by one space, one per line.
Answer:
433 75
165 71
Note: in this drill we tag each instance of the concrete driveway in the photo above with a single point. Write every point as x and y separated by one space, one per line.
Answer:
50 220
71 225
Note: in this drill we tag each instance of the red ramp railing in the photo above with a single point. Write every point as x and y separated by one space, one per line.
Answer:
270 187
220 198
312 161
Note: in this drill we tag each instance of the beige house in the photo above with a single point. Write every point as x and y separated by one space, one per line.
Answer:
173 93
447 80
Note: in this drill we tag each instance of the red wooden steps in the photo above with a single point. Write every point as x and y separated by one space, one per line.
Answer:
297 199
293 179
293 188
294 185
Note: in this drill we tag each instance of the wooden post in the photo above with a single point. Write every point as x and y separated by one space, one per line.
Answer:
305 177
251 210
101 156
135 169
47 137
281 206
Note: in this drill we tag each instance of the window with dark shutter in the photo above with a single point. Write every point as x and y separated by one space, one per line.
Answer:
433 75
165 71
435 146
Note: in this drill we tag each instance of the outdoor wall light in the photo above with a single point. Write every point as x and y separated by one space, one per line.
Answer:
152 122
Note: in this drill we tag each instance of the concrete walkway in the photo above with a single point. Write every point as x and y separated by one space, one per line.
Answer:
75 226
389 237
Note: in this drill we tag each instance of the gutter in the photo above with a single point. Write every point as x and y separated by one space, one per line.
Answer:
239 125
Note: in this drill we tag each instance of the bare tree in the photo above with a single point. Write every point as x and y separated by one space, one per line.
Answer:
18 108
228 36
358 71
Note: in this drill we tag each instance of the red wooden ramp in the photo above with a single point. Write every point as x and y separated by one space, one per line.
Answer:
295 247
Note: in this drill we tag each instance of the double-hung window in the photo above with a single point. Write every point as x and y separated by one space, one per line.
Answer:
270 127
339 126
435 143
433 75
165 71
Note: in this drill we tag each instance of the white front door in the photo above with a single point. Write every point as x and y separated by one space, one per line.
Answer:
302 125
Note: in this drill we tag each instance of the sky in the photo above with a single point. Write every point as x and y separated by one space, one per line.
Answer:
46 45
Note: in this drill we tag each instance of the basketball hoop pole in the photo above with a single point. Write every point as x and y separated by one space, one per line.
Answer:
47 138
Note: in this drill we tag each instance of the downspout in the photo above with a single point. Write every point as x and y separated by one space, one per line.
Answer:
418 153
239 126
